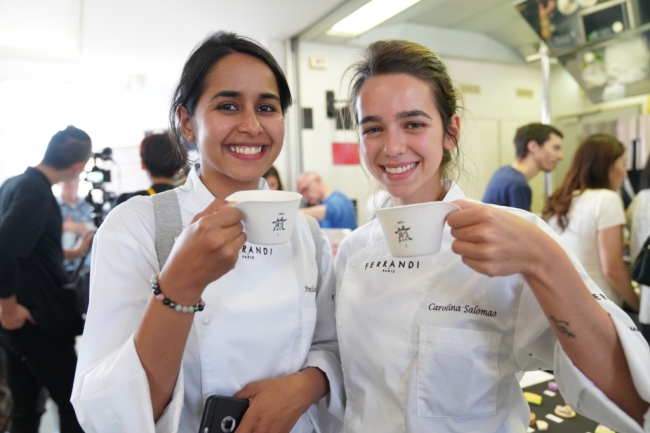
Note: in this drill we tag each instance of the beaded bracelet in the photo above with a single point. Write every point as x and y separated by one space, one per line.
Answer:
177 307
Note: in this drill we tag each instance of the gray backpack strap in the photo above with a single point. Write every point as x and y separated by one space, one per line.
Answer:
169 223
317 234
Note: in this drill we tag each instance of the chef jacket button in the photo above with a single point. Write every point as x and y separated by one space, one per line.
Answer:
339 323
205 320
353 264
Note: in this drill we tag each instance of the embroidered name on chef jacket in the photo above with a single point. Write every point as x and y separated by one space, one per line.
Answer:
249 252
466 309
391 265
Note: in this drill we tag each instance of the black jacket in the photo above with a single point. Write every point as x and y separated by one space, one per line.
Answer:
31 256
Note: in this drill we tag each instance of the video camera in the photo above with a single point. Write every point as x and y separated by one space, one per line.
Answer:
98 196
96 175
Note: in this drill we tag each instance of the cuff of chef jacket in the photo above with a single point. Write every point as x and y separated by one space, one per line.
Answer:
330 365
115 396
581 394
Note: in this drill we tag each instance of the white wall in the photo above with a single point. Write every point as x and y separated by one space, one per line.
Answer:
114 99
571 110
488 125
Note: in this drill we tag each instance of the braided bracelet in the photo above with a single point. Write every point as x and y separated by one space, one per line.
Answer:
177 307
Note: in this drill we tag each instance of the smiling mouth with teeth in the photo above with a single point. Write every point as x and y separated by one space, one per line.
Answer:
398 170
246 150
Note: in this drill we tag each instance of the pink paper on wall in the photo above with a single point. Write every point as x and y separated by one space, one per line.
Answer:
345 153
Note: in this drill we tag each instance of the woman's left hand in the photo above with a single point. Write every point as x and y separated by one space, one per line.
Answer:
276 404
494 242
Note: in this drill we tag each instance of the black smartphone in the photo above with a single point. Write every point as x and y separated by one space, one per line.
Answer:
222 414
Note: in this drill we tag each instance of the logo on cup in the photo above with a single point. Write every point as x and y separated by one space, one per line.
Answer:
228 424
403 232
278 224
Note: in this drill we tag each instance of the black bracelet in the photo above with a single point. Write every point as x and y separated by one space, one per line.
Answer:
177 307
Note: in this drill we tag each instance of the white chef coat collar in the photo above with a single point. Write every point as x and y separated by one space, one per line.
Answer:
453 191
201 193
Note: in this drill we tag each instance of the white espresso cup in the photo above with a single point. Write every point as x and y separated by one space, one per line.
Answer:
269 216
415 229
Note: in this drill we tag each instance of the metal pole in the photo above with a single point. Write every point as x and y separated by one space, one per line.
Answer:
546 104
296 162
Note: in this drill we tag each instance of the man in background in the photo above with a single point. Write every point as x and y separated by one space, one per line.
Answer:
39 317
331 208
161 164
539 147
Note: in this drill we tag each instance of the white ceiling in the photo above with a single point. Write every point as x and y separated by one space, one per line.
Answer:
170 28
495 19
150 28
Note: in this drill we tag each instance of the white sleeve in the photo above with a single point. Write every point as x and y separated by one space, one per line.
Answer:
111 391
536 347
324 352
609 210
580 392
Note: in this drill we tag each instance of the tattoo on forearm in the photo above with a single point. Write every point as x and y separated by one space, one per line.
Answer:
562 326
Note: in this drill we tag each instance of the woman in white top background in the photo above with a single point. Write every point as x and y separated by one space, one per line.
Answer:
436 343
252 323
588 215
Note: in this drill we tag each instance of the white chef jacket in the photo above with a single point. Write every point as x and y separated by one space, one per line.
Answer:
429 345
261 320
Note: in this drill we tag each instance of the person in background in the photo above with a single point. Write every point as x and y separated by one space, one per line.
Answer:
77 216
332 209
158 160
40 318
539 147
638 220
257 324
437 343
272 178
588 215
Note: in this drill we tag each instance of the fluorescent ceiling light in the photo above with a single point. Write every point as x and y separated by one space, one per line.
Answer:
368 16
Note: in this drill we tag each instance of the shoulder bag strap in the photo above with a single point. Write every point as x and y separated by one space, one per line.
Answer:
169 223
317 234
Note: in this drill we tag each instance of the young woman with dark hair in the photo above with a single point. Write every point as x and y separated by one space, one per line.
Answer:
588 215
438 344
244 324
273 179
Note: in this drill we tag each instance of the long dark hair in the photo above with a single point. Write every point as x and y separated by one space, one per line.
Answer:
410 58
202 60
589 170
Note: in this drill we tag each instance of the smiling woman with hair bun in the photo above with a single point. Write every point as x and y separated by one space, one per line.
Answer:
440 346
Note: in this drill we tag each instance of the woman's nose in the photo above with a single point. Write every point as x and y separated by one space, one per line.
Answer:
249 123
394 144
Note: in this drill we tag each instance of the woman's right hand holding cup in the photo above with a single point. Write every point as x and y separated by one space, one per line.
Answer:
206 250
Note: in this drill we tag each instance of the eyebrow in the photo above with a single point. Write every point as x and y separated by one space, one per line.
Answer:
412 113
400 115
236 94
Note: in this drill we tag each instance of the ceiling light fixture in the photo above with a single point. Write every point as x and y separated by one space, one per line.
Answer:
368 16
